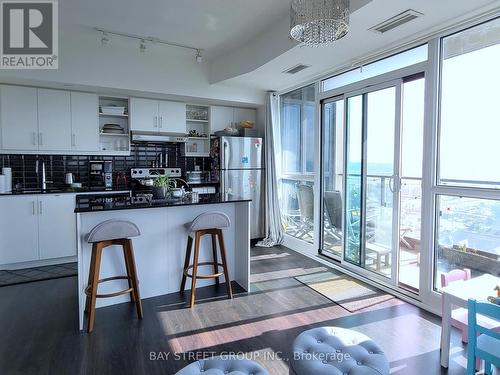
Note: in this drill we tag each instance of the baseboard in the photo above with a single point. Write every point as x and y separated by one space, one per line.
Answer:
38 263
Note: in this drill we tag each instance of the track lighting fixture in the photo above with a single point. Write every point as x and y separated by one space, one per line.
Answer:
142 46
143 41
105 39
199 57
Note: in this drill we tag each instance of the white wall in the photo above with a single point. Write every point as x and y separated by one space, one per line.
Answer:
161 70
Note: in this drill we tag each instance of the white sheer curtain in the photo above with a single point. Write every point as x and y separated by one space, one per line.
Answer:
274 227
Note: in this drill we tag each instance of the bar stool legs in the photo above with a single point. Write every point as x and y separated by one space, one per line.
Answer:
215 234
93 280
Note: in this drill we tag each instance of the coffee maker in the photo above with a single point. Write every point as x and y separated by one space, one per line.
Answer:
100 175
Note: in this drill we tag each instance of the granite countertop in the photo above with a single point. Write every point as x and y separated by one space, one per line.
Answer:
61 191
100 202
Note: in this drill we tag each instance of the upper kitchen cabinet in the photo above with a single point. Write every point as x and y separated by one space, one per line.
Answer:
172 117
18 118
54 120
157 116
223 117
143 114
114 129
84 122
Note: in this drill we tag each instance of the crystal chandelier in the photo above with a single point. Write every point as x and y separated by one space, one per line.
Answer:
315 22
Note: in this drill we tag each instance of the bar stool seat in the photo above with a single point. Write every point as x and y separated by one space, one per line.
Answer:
103 235
207 223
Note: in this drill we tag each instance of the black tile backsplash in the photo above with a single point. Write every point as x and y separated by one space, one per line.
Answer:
24 167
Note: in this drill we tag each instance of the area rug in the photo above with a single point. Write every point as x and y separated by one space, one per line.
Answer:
351 294
28 275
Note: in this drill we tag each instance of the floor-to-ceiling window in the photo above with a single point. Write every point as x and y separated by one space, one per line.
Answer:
372 147
296 183
467 191
410 186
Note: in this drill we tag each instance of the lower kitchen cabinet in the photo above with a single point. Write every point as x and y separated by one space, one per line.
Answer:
36 228
18 229
56 226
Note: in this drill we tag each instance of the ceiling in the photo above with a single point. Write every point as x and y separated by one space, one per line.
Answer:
216 26
360 41
246 43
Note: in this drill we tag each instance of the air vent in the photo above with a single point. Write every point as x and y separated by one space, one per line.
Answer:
396 21
297 68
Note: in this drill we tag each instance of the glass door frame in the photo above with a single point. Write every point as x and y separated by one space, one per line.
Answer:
361 87
397 84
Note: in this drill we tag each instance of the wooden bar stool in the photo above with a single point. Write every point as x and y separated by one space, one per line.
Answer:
108 233
207 223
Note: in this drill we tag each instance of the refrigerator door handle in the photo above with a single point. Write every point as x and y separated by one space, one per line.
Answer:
225 156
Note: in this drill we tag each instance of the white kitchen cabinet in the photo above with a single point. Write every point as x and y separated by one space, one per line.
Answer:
157 116
222 117
18 118
56 226
18 229
37 227
172 117
144 114
84 122
54 120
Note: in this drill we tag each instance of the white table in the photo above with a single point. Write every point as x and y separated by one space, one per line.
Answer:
457 294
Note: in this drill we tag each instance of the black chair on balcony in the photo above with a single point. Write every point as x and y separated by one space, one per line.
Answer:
306 208
333 209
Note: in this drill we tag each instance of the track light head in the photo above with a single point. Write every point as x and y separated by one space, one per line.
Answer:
105 39
142 46
199 57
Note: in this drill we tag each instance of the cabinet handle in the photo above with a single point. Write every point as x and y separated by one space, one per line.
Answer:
40 208
156 122
33 208
161 122
73 140
40 139
34 139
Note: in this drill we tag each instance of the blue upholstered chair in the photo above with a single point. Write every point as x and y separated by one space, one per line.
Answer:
486 346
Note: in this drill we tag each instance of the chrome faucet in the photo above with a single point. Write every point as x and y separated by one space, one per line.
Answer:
43 177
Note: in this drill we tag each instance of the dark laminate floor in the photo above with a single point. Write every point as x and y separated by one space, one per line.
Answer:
39 320
28 275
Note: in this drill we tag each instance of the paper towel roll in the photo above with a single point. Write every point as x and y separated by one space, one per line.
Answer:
2 184
7 172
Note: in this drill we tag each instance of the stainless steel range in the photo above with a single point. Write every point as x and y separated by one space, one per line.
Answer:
143 178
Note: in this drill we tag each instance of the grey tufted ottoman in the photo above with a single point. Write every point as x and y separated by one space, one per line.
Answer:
223 366
337 351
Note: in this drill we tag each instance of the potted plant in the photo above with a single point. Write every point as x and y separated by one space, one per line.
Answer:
161 186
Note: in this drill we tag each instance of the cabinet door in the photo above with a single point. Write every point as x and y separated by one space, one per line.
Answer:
144 114
57 226
84 122
244 114
18 118
54 120
221 117
172 117
18 229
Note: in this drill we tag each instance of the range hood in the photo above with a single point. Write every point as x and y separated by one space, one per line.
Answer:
155 137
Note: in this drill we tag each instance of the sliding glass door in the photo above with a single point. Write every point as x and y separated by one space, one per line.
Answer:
381 208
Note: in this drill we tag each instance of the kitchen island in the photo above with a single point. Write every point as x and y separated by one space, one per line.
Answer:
160 249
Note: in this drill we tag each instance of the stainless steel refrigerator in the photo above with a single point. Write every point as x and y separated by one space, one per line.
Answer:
241 175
